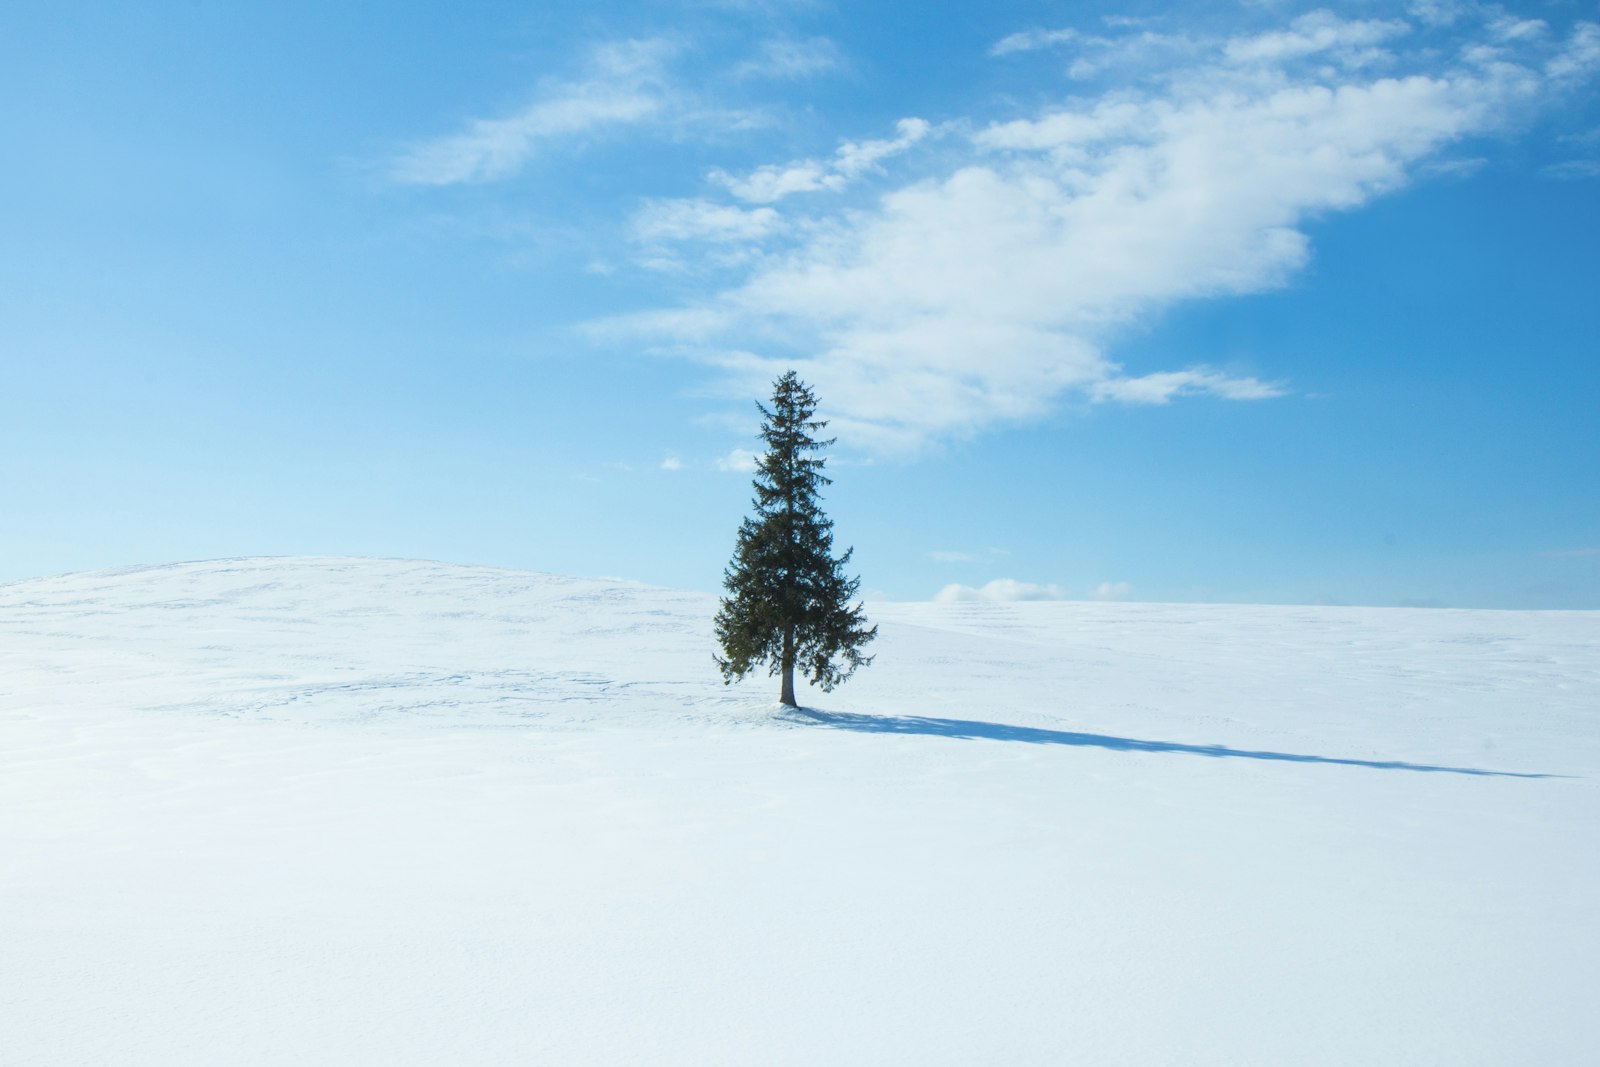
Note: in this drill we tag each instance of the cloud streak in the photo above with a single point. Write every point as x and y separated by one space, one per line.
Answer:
771 183
789 57
1033 41
1162 386
625 86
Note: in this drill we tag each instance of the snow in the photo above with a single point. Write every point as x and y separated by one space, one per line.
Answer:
373 811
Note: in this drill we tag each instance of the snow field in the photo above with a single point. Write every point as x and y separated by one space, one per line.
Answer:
371 811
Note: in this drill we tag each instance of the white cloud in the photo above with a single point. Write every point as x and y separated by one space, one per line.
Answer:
789 57
775 181
1573 170
672 463
1439 12
852 159
981 293
704 220
1009 590
739 460
1453 168
625 85
1032 41
1162 386
1093 54
1578 57
1511 28
1318 32
999 590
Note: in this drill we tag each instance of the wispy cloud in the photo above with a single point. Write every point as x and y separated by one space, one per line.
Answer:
982 292
1573 170
1355 41
1093 54
1111 591
672 463
625 84
1033 41
1577 58
1162 386
791 57
850 161
702 220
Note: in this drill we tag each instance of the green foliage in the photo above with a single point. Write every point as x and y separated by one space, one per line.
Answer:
789 600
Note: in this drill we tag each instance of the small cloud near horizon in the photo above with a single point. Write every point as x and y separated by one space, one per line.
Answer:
740 460
1001 590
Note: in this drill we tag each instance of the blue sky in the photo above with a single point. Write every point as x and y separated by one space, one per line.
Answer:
1258 303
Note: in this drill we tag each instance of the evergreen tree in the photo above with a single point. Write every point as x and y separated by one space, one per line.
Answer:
789 599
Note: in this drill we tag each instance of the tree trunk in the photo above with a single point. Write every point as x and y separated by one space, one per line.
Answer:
788 670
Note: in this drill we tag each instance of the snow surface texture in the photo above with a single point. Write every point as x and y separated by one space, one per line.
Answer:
365 811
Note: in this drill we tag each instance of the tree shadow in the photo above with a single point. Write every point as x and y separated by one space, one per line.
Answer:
968 729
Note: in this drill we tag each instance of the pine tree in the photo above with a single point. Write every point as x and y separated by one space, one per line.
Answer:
789 600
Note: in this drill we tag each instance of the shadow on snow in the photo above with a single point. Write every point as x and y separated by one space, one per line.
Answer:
967 729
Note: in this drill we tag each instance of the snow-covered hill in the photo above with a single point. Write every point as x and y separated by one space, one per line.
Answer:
373 811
